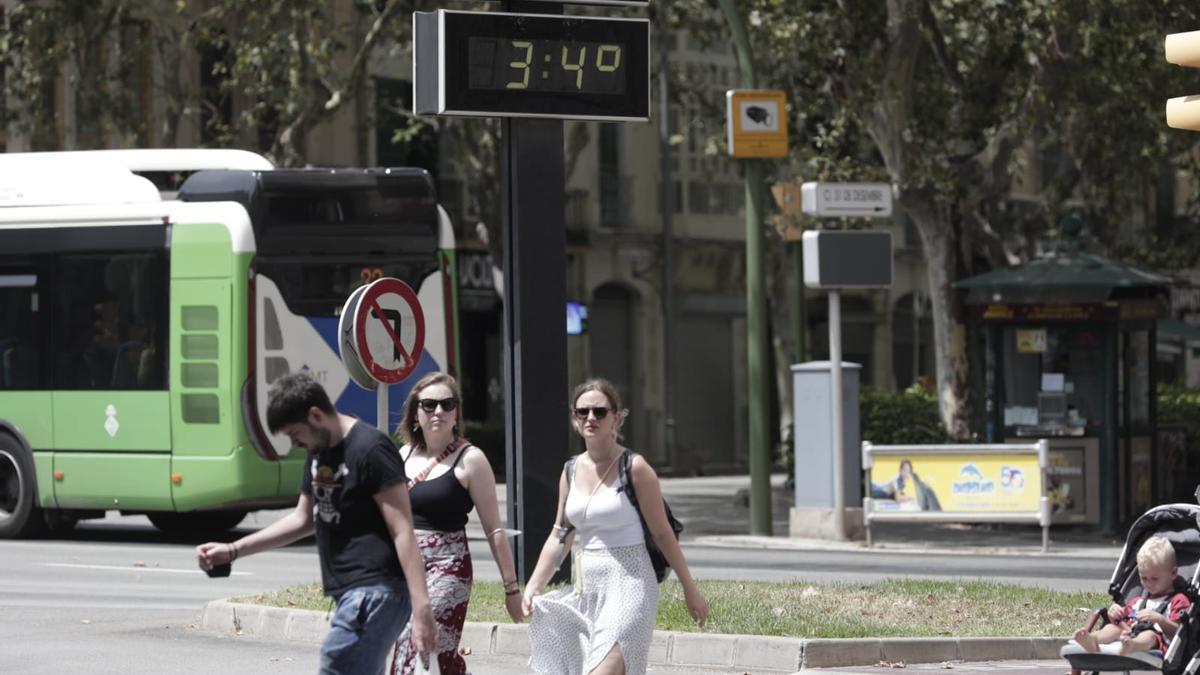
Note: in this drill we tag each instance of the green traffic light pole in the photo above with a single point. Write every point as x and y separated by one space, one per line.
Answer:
756 303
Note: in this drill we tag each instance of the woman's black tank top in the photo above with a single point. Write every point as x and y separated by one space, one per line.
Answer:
441 504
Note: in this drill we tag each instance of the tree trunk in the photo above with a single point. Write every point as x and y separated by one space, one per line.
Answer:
949 319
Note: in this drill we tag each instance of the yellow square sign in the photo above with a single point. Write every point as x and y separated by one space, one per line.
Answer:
757 122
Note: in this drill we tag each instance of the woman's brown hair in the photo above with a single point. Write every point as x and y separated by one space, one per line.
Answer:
409 430
610 392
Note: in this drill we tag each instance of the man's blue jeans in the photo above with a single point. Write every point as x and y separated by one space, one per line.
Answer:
365 625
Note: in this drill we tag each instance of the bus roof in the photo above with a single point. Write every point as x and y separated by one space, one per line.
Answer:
57 179
167 159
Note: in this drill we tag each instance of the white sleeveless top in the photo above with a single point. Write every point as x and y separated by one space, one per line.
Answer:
611 519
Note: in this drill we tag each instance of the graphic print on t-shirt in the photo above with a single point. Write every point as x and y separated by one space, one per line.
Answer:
325 485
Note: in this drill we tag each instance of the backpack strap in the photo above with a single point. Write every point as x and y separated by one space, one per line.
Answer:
564 526
625 479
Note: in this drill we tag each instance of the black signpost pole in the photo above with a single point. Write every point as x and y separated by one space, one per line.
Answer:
535 297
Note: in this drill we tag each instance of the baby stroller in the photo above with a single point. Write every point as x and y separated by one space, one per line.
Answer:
1178 524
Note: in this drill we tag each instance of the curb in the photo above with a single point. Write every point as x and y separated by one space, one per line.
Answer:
668 648
754 542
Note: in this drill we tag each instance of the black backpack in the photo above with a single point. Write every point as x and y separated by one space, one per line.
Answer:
661 566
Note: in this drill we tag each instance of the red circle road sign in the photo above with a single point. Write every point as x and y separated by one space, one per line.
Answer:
389 330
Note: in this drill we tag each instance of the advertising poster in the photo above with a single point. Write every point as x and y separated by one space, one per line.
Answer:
964 482
1066 489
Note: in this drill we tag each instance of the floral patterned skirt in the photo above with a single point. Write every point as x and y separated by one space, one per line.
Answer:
573 630
449 574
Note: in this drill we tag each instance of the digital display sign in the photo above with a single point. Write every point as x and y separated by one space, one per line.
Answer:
545 65
531 65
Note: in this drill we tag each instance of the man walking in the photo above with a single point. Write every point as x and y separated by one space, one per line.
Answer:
354 495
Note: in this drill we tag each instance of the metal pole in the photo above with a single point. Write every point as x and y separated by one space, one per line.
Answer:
381 407
668 254
756 323
535 296
800 315
756 304
835 392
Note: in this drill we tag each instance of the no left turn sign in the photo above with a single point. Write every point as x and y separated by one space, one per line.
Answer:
389 330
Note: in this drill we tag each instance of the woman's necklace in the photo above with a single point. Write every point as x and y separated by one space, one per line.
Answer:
598 485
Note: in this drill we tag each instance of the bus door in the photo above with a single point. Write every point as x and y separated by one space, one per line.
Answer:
112 434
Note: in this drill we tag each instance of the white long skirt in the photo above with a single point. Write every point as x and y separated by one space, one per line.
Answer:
571 632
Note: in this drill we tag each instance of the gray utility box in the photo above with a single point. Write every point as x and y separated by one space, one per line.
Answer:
813 437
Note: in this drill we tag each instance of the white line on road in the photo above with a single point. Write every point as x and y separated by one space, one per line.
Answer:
124 568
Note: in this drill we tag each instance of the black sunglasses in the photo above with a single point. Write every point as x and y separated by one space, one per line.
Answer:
431 404
599 411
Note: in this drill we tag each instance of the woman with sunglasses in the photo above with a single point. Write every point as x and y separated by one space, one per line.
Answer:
447 477
603 625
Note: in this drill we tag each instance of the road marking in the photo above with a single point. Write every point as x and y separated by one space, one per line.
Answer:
131 568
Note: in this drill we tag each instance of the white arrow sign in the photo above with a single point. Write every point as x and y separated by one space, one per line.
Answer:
847 200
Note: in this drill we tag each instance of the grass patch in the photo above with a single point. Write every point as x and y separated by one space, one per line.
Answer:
893 608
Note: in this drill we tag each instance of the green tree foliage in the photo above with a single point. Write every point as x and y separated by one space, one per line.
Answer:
908 417
949 100
290 64
1180 406
93 44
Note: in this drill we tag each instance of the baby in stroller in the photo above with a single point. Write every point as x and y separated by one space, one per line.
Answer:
1150 620
1152 623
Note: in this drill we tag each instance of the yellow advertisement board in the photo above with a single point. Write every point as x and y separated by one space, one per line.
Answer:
1031 340
984 483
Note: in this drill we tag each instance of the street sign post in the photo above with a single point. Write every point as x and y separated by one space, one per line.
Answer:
389 330
386 337
836 259
847 200
756 122
347 349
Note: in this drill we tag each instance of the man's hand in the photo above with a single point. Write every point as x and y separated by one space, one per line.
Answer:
214 553
424 632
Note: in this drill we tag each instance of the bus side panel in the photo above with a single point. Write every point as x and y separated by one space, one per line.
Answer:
112 421
30 412
212 460
112 449
108 480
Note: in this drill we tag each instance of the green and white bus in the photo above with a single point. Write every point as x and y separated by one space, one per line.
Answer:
142 321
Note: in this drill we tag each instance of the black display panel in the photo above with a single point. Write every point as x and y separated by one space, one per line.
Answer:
531 65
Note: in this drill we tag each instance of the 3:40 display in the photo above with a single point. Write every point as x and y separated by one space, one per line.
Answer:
606 58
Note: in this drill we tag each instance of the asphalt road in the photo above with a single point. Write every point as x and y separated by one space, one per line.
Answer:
116 596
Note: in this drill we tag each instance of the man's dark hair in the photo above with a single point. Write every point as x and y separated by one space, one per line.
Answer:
290 398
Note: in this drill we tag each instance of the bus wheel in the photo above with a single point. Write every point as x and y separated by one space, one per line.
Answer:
59 524
196 524
19 512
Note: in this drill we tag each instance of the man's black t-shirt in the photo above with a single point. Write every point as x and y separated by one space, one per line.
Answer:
352 538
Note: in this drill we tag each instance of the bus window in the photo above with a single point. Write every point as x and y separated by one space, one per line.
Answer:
20 348
318 286
109 321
